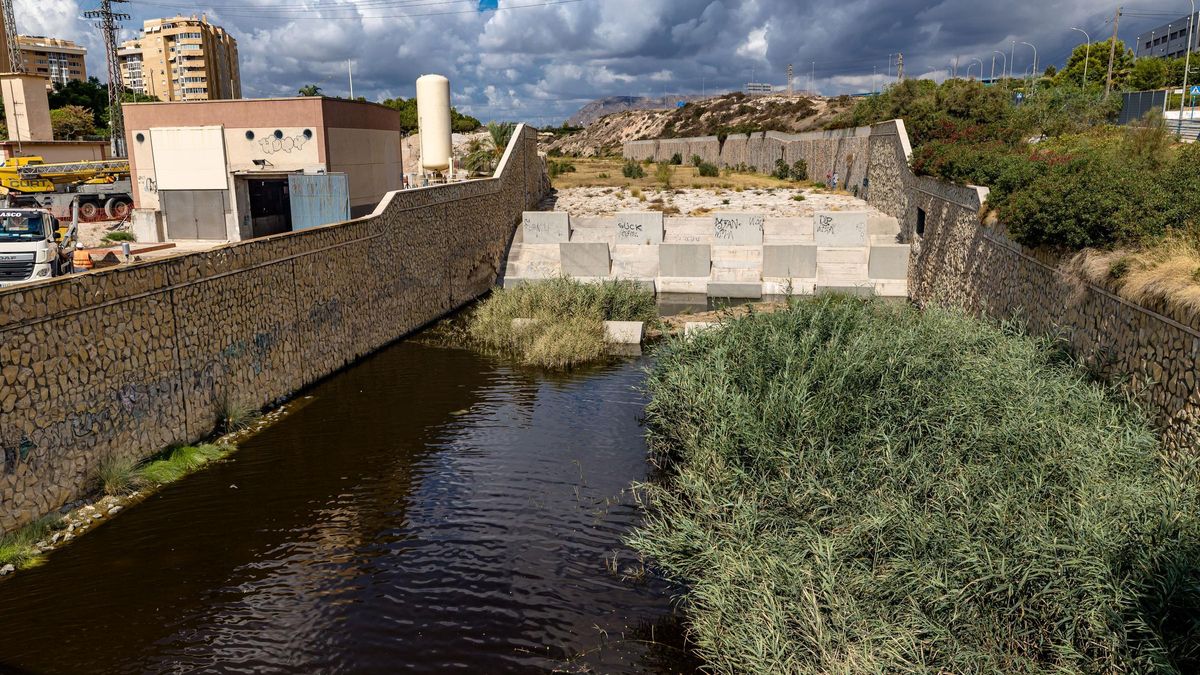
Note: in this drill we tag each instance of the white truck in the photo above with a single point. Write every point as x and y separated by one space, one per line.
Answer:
31 246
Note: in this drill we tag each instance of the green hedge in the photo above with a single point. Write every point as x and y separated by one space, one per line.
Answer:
855 487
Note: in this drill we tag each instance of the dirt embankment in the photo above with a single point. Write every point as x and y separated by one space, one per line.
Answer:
736 112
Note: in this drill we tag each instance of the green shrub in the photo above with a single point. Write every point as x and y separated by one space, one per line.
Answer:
708 170
119 235
857 487
556 168
696 160
782 170
800 170
632 169
662 173
117 475
676 159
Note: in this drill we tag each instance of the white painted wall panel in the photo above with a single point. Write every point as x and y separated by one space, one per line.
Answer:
189 158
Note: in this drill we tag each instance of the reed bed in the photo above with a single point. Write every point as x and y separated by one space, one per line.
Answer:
856 487
566 320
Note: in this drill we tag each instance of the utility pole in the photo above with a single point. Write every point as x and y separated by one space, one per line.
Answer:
108 23
791 89
350 71
16 62
1112 54
812 79
955 72
900 67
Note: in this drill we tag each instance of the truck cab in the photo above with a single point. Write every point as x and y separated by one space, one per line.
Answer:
30 247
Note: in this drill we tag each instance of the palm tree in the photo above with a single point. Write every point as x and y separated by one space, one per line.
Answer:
310 90
483 154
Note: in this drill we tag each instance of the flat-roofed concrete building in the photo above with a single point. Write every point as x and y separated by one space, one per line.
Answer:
60 61
227 170
1169 40
182 59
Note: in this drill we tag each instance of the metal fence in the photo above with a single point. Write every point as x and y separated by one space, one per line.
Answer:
1135 105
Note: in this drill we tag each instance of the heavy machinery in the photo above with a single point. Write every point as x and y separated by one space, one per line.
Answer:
102 188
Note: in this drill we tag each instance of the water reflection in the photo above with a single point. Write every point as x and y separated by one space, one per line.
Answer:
430 510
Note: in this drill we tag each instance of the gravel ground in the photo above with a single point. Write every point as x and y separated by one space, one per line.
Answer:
605 201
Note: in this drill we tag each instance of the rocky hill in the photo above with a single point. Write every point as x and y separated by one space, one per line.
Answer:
609 105
736 112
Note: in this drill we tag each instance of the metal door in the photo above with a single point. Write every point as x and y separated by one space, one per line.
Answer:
194 214
318 199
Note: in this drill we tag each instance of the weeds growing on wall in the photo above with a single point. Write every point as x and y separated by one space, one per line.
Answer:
856 487
566 319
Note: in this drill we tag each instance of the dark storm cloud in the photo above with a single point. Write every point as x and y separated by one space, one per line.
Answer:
541 63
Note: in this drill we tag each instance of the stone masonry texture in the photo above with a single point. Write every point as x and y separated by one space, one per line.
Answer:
126 361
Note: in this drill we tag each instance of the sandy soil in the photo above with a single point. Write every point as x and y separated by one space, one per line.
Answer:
779 202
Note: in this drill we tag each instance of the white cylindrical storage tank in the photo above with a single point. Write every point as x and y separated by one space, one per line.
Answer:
433 121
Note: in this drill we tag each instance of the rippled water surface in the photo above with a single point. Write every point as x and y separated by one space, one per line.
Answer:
428 510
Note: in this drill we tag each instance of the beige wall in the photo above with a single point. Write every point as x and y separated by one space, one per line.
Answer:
56 151
371 159
125 361
26 107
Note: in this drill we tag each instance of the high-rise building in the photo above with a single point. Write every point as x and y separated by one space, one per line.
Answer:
59 60
1169 40
182 59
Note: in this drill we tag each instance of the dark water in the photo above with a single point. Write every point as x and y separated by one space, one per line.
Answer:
429 510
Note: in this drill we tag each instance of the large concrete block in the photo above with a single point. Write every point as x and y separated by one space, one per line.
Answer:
888 261
878 224
792 261
840 228
624 332
642 227
545 227
735 289
684 260
589 259
738 229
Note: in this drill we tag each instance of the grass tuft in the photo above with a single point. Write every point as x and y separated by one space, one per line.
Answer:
181 462
567 327
234 416
20 550
117 475
857 487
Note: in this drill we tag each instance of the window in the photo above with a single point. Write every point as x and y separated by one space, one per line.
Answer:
920 222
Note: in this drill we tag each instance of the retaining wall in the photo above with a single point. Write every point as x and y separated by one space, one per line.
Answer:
842 150
126 361
958 260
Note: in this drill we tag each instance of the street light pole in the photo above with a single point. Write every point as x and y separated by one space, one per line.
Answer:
980 62
1003 63
1187 60
1012 56
1034 72
1087 54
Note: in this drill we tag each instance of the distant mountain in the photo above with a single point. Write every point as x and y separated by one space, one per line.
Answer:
615 104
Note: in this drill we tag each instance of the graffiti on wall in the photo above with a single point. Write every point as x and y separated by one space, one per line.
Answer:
271 144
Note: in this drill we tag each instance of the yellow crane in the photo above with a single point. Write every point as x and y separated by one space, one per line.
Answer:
102 188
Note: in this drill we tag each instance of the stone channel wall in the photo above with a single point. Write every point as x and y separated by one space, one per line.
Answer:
958 260
126 361
843 150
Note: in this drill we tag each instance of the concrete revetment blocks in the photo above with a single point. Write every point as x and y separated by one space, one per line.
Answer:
840 228
545 227
684 260
639 228
738 229
790 261
888 261
585 259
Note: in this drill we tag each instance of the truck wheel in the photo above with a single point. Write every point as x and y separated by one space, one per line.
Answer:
117 208
88 210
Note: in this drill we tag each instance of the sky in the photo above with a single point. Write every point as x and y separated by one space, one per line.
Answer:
539 61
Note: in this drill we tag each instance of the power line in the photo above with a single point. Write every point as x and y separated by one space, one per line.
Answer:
108 24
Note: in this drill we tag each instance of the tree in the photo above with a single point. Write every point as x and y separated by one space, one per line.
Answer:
309 90
459 123
72 122
483 155
1097 65
1148 73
